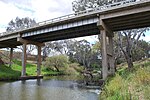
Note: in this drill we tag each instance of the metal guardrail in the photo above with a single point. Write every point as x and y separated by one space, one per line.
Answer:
73 15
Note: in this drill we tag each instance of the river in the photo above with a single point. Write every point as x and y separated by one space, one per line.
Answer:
45 89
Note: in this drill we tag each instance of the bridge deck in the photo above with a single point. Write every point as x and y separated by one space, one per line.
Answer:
121 17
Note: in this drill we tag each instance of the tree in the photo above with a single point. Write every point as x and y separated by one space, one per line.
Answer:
141 51
62 47
82 52
78 51
96 49
81 5
128 40
47 50
56 62
21 23
131 36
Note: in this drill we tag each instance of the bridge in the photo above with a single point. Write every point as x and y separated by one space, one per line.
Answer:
104 20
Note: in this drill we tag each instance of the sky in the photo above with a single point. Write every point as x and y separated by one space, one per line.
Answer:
39 10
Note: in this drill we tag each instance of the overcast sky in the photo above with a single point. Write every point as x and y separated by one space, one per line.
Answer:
39 10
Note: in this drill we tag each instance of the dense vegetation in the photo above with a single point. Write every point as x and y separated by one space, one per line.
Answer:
129 85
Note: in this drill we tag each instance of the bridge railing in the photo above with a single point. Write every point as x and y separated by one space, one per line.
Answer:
84 12
62 18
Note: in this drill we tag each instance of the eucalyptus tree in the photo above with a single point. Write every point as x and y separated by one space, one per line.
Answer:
128 41
82 52
81 5
131 36
141 50
19 24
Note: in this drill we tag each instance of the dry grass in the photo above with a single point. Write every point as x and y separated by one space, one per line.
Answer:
127 85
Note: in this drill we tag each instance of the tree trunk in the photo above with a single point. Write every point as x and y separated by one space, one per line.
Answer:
130 62
128 57
56 68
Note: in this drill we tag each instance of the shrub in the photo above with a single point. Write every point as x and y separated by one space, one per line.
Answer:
76 66
129 85
115 84
56 62
142 76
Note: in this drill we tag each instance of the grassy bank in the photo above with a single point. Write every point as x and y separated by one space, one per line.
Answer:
13 73
129 85
6 73
31 69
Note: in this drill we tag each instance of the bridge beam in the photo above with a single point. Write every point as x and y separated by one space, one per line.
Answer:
102 26
29 42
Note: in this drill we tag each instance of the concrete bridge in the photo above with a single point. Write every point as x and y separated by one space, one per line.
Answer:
104 20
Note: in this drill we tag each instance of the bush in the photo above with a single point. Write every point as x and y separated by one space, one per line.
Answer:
77 67
129 85
55 62
142 76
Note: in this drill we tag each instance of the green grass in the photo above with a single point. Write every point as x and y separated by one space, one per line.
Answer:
31 69
129 85
6 73
14 72
50 72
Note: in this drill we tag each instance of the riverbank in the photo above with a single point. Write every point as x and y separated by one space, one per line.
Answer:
14 72
7 73
129 85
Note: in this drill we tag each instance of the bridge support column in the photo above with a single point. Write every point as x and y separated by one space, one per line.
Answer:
111 58
107 50
39 61
11 57
104 55
24 57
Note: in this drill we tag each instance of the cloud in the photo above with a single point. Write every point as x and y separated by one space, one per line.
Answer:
20 2
40 10
51 8
9 11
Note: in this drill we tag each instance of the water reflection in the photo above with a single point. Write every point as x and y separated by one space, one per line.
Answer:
38 82
44 90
